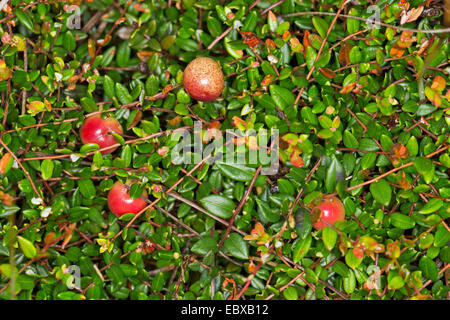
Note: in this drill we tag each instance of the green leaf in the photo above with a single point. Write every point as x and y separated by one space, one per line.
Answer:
272 22
25 19
353 24
368 160
412 146
381 192
349 282
441 237
47 167
236 246
123 54
402 221
425 109
301 248
311 55
214 26
27 247
396 283
286 187
250 22
349 140
425 167
266 212
282 96
69 41
204 245
5 269
115 273
321 26
218 205
429 268
88 104
329 237
87 188
290 294
351 260
367 144
330 181
432 206
108 85
341 269
135 191
158 282
123 94
88 147
236 172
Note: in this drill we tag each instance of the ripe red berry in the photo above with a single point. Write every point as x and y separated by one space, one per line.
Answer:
98 130
120 202
332 210
203 79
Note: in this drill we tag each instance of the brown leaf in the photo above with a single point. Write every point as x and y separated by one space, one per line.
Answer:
328 73
344 54
136 120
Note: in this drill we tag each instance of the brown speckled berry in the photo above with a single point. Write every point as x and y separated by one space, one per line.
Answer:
203 79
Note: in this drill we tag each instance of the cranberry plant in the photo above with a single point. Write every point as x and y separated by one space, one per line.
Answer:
357 92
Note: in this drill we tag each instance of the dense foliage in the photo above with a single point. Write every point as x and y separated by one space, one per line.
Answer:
362 112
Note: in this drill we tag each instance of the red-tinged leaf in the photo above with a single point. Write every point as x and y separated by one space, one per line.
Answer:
174 121
252 143
163 151
239 123
144 55
251 267
270 44
7 199
375 69
105 41
213 130
315 40
406 39
306 43
140 8
272 16
399 151
295 44
239 141
296 160
250 39
438 84
5 162
49 238
411 15
120 20
5 71
348 88
433 96
267 80
358 252
136 120
425 44
91 48
404 4
396 51
328 73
